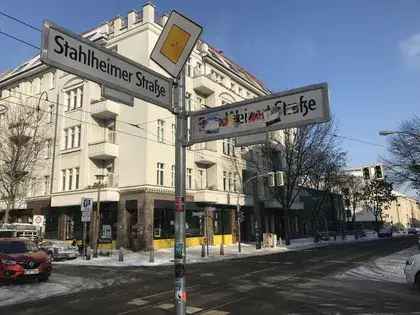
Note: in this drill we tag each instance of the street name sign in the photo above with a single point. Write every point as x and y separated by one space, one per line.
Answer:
259 138
289 109
72 53
175 43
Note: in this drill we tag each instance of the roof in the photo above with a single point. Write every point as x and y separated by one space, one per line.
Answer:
100 32
231 65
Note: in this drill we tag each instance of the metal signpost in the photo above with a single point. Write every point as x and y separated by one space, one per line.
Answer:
171 52
72 53
86 208
289 109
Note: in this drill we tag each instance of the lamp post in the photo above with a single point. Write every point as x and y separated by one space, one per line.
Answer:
97 216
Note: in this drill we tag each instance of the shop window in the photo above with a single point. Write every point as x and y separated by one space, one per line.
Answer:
222 222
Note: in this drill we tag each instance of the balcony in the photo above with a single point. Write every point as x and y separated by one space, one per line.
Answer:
204 159
104 150
104 109
204 84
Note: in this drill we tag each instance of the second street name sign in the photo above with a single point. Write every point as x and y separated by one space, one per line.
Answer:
72 53
289 109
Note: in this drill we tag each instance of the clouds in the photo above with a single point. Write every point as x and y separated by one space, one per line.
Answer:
410 50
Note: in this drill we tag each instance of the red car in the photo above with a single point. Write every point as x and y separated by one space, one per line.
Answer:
20 258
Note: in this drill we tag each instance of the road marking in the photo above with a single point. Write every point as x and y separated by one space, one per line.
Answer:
138 302
215 312
165 306
192 309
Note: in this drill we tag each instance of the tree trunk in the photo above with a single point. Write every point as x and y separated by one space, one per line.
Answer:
286 226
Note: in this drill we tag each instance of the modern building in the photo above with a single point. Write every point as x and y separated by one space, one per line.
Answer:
132 148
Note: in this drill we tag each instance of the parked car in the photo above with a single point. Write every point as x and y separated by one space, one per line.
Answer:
20 258
57 250
412 271
413 230
385 232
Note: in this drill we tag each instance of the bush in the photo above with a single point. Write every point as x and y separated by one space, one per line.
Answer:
398 227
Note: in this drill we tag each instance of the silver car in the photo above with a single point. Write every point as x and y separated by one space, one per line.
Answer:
58 250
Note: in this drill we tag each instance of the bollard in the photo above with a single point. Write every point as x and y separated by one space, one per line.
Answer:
152 255
222 250
88 253
203 250
121 254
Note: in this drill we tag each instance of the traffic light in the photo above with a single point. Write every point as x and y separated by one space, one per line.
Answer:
271 179
366 173
279 179
276 179
379 174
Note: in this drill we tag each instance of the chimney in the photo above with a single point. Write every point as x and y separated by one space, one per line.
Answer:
164 19
117 25
149 12
131 18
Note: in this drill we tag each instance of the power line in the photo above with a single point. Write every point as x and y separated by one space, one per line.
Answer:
19 21
360 141
19 40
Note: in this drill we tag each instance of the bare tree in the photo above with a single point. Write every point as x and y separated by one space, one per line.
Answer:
352 188
404 150
298 155
21 140
377 195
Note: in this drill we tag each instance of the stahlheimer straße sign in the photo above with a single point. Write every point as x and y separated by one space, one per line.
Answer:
74 54
293 108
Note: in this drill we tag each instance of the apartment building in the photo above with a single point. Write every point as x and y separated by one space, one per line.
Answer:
125 155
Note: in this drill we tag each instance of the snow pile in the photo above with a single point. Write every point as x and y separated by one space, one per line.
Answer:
165 256
388 269
58 284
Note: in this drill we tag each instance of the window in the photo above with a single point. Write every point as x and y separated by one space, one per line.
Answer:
235 183
74 98
76 179
48 149
189 74
46 185
63 180
230 181
189 178
159 174
70 171
72 137
188 101
160 130
173 175
224 181
51 113
229 147
201 179
173 133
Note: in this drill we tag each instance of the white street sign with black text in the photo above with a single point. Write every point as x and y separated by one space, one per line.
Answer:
74 54
289 109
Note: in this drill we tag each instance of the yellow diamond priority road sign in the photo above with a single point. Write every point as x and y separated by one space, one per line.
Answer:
175 43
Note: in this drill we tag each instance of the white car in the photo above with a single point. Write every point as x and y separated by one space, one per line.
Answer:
412 271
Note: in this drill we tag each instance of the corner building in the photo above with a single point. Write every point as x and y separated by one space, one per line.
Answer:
132 147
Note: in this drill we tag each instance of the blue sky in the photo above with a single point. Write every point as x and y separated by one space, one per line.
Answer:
368 51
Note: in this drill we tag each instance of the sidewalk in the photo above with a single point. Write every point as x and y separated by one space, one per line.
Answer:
165 256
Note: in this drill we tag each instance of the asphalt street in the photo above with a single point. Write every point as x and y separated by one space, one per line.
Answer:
301 282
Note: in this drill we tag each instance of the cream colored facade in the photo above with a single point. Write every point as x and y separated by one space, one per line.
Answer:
132 146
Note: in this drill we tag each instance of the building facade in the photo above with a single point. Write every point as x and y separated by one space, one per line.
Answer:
124 156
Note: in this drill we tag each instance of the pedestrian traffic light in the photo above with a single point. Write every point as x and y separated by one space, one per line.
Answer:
366 173
379 174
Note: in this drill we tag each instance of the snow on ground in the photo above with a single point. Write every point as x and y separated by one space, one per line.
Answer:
165 256
58 284
385 269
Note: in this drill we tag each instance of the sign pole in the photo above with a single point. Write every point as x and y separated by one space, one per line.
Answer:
180 165
84 239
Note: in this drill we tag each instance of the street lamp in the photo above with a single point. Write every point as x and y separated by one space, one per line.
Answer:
97 216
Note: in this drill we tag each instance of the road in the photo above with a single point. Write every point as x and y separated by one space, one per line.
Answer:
301 282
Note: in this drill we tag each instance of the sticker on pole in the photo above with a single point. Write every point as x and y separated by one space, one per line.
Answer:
175 43
179 204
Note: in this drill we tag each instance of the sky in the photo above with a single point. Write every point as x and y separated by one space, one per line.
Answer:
367 51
